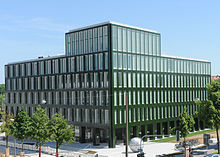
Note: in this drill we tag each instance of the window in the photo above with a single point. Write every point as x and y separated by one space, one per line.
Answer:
106 60
150 44
142 43
134 98
125 79
138 80
129 80
105 79
119 61
138 62
105 38
146 44
120 79
134 80
119 39
142 63
138 38
124 40
100 61
120 98
129 62
115 60
133 42
115 38
134 62
96 62
129 40
115 116
115 79
124 61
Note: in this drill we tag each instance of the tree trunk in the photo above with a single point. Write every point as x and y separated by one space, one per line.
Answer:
40 150
184 145
6 141
22 143
217 139
56 149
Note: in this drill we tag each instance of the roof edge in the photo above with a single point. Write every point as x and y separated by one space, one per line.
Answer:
111 22
177 57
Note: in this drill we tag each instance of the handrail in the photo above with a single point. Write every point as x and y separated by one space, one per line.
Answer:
47 149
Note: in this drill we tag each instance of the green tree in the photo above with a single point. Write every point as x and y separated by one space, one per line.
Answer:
60 131
21 126
2 88
7 120
186 123
2 95
39 127
209 110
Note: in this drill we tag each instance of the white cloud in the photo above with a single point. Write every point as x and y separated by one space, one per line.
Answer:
10 23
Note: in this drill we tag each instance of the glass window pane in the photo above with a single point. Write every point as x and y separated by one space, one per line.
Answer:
124 40
129 40
119 39
150 45
119 61
115 38
133 42
124 61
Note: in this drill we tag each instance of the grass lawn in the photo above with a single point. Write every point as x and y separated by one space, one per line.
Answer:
191 134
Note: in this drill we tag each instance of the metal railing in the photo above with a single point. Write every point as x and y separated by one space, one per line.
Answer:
50 151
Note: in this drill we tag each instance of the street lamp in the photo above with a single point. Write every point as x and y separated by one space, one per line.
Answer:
14 141
43 102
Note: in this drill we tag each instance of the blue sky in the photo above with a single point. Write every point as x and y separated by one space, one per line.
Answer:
29 29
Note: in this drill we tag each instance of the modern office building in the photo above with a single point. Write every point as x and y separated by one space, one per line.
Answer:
102 65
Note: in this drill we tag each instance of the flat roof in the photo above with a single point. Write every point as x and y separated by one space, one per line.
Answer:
185 58
38 59
111 22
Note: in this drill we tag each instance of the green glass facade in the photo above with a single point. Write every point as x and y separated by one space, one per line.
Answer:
104 63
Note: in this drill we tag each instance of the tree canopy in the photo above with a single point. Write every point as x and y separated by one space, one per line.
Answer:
2 88
21 126
186 123
6 126
59 130
209 110
39 126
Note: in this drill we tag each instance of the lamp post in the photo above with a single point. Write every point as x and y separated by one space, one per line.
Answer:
126 126
42 103
14 142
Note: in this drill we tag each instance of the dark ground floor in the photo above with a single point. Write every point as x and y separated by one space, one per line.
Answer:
118 135
115 134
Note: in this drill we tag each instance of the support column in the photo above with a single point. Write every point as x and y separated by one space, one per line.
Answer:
145 127
96 136
199 125
111 140
9 110
137 131
168 128
82 135
193 128
129 137
32 110
15 113
161 129
134 131
154 130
